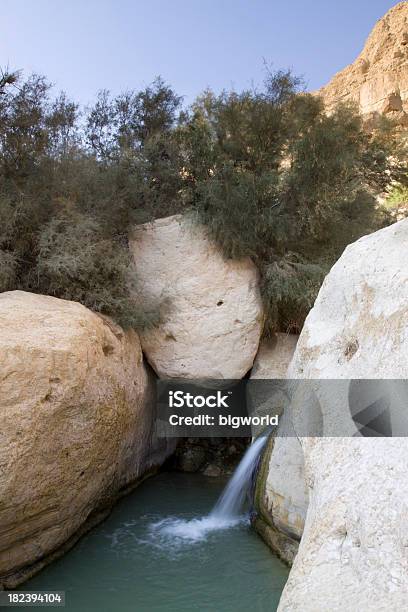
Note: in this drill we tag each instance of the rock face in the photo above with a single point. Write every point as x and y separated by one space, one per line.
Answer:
215 320
76 427
221 455
274 356
264 396
354 551
282 501
358 327
281 494
378 80
286 498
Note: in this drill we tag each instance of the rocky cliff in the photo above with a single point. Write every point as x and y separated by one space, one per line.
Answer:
378 80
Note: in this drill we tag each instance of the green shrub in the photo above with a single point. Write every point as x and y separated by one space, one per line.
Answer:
77 262
266 172
282 182
397 196
65 209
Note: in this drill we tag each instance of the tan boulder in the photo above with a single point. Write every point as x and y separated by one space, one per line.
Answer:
286 499
267 390
76 427
215 320
378 80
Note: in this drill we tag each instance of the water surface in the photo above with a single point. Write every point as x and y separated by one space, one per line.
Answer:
159 552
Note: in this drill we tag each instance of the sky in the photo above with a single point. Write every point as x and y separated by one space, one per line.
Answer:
83 46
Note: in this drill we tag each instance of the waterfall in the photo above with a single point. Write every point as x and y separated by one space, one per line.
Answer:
229 511
231 502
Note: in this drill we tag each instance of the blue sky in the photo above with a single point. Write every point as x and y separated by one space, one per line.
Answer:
86 45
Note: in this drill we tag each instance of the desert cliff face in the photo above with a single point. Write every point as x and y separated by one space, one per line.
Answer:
378 80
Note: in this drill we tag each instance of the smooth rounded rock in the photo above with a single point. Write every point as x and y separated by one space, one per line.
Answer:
76 425
214 320
353 553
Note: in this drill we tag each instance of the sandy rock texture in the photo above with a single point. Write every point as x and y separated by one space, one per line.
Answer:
286 499
274 356
282 501
76 425
266 394
214 324
354 550
378 80
358 327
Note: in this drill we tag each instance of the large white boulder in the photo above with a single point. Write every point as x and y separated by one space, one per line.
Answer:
214 323
358 327
76 426
354 550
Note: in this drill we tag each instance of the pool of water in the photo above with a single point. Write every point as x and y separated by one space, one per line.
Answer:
156 553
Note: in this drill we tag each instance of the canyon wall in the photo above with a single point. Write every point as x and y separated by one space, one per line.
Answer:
378 79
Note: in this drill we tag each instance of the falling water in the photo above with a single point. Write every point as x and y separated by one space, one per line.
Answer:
232 500
229 511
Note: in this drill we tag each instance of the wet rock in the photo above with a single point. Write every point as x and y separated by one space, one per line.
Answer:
212 470
191 460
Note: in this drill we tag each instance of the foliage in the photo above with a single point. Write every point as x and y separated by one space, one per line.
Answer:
398 195
279 180
7 78
65 211
266 172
